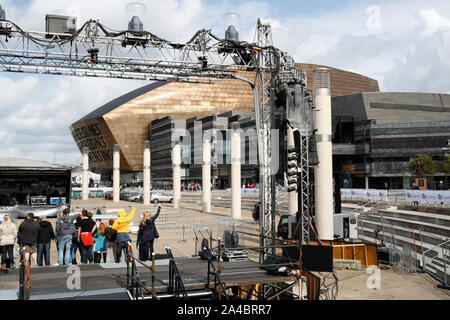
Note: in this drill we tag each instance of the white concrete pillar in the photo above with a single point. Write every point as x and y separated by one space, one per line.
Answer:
116 173
323 173
176 174
206 176
147 172
235 172
366 178
292 196
85 174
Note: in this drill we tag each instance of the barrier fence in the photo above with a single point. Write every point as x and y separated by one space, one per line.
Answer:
364 194
427 197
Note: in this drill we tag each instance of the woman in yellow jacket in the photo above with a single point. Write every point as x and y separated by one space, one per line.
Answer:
122 227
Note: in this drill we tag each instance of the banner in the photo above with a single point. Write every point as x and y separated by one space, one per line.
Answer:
364 194
427 197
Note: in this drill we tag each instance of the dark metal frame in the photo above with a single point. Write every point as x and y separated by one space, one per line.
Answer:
134 285
176 285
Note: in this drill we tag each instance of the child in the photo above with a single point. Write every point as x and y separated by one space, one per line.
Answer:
100 244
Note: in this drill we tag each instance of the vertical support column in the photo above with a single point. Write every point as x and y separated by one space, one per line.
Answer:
176 174
116 173
85 175
147 177
206 176
235 172
366 178
292 196
323 173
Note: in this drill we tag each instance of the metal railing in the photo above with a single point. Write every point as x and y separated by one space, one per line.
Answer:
176 285
219 288
135 286
24 277
433 266
408 247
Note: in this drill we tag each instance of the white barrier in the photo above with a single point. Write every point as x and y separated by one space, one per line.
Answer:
364 194
427 196
246 191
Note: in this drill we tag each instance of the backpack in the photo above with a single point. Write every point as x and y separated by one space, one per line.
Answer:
110 234
205 253
255 212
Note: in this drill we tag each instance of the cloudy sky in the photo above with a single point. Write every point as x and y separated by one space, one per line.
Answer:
404 44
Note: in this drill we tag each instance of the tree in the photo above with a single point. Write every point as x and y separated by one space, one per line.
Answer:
423 164
445 167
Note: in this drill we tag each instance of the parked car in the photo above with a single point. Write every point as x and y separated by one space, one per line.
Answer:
132 196
160 197
109 195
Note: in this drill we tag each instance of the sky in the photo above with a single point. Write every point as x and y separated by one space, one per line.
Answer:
404 44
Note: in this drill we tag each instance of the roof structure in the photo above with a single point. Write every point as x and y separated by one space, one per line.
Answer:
19 163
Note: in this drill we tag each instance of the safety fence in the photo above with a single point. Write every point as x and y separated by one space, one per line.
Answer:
427 197
364 194
407 250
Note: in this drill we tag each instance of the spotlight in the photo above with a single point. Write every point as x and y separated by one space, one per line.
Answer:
204 61
94 54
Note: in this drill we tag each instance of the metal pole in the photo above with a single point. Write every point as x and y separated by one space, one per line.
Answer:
116 173
421 249
22 276
128 270
147 173
235 172
206 176
176 176
445 263
85 175
153 276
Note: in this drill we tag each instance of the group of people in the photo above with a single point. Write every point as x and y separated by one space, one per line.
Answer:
191 186
95 242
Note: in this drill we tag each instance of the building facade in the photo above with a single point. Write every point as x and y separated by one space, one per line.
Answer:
127 120
377 134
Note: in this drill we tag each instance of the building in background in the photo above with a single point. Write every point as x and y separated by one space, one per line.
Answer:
24 181
377 134
126 120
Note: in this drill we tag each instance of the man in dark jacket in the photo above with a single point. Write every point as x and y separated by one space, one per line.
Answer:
65 228
45 236
28 231
442 186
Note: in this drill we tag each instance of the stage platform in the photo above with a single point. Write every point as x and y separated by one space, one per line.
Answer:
108 281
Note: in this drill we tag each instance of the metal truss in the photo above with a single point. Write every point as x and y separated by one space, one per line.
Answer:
304 188
93 51
264 84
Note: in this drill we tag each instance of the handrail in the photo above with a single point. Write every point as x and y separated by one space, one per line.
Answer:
136 283
216 273
176 285
437 246
24 277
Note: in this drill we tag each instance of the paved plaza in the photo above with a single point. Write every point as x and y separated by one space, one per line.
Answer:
176 229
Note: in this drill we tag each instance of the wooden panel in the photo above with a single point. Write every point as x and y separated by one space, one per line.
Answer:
312 285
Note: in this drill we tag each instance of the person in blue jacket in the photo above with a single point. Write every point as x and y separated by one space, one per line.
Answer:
148 233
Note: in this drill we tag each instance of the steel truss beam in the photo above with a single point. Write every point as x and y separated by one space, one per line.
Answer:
93 51
304 188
